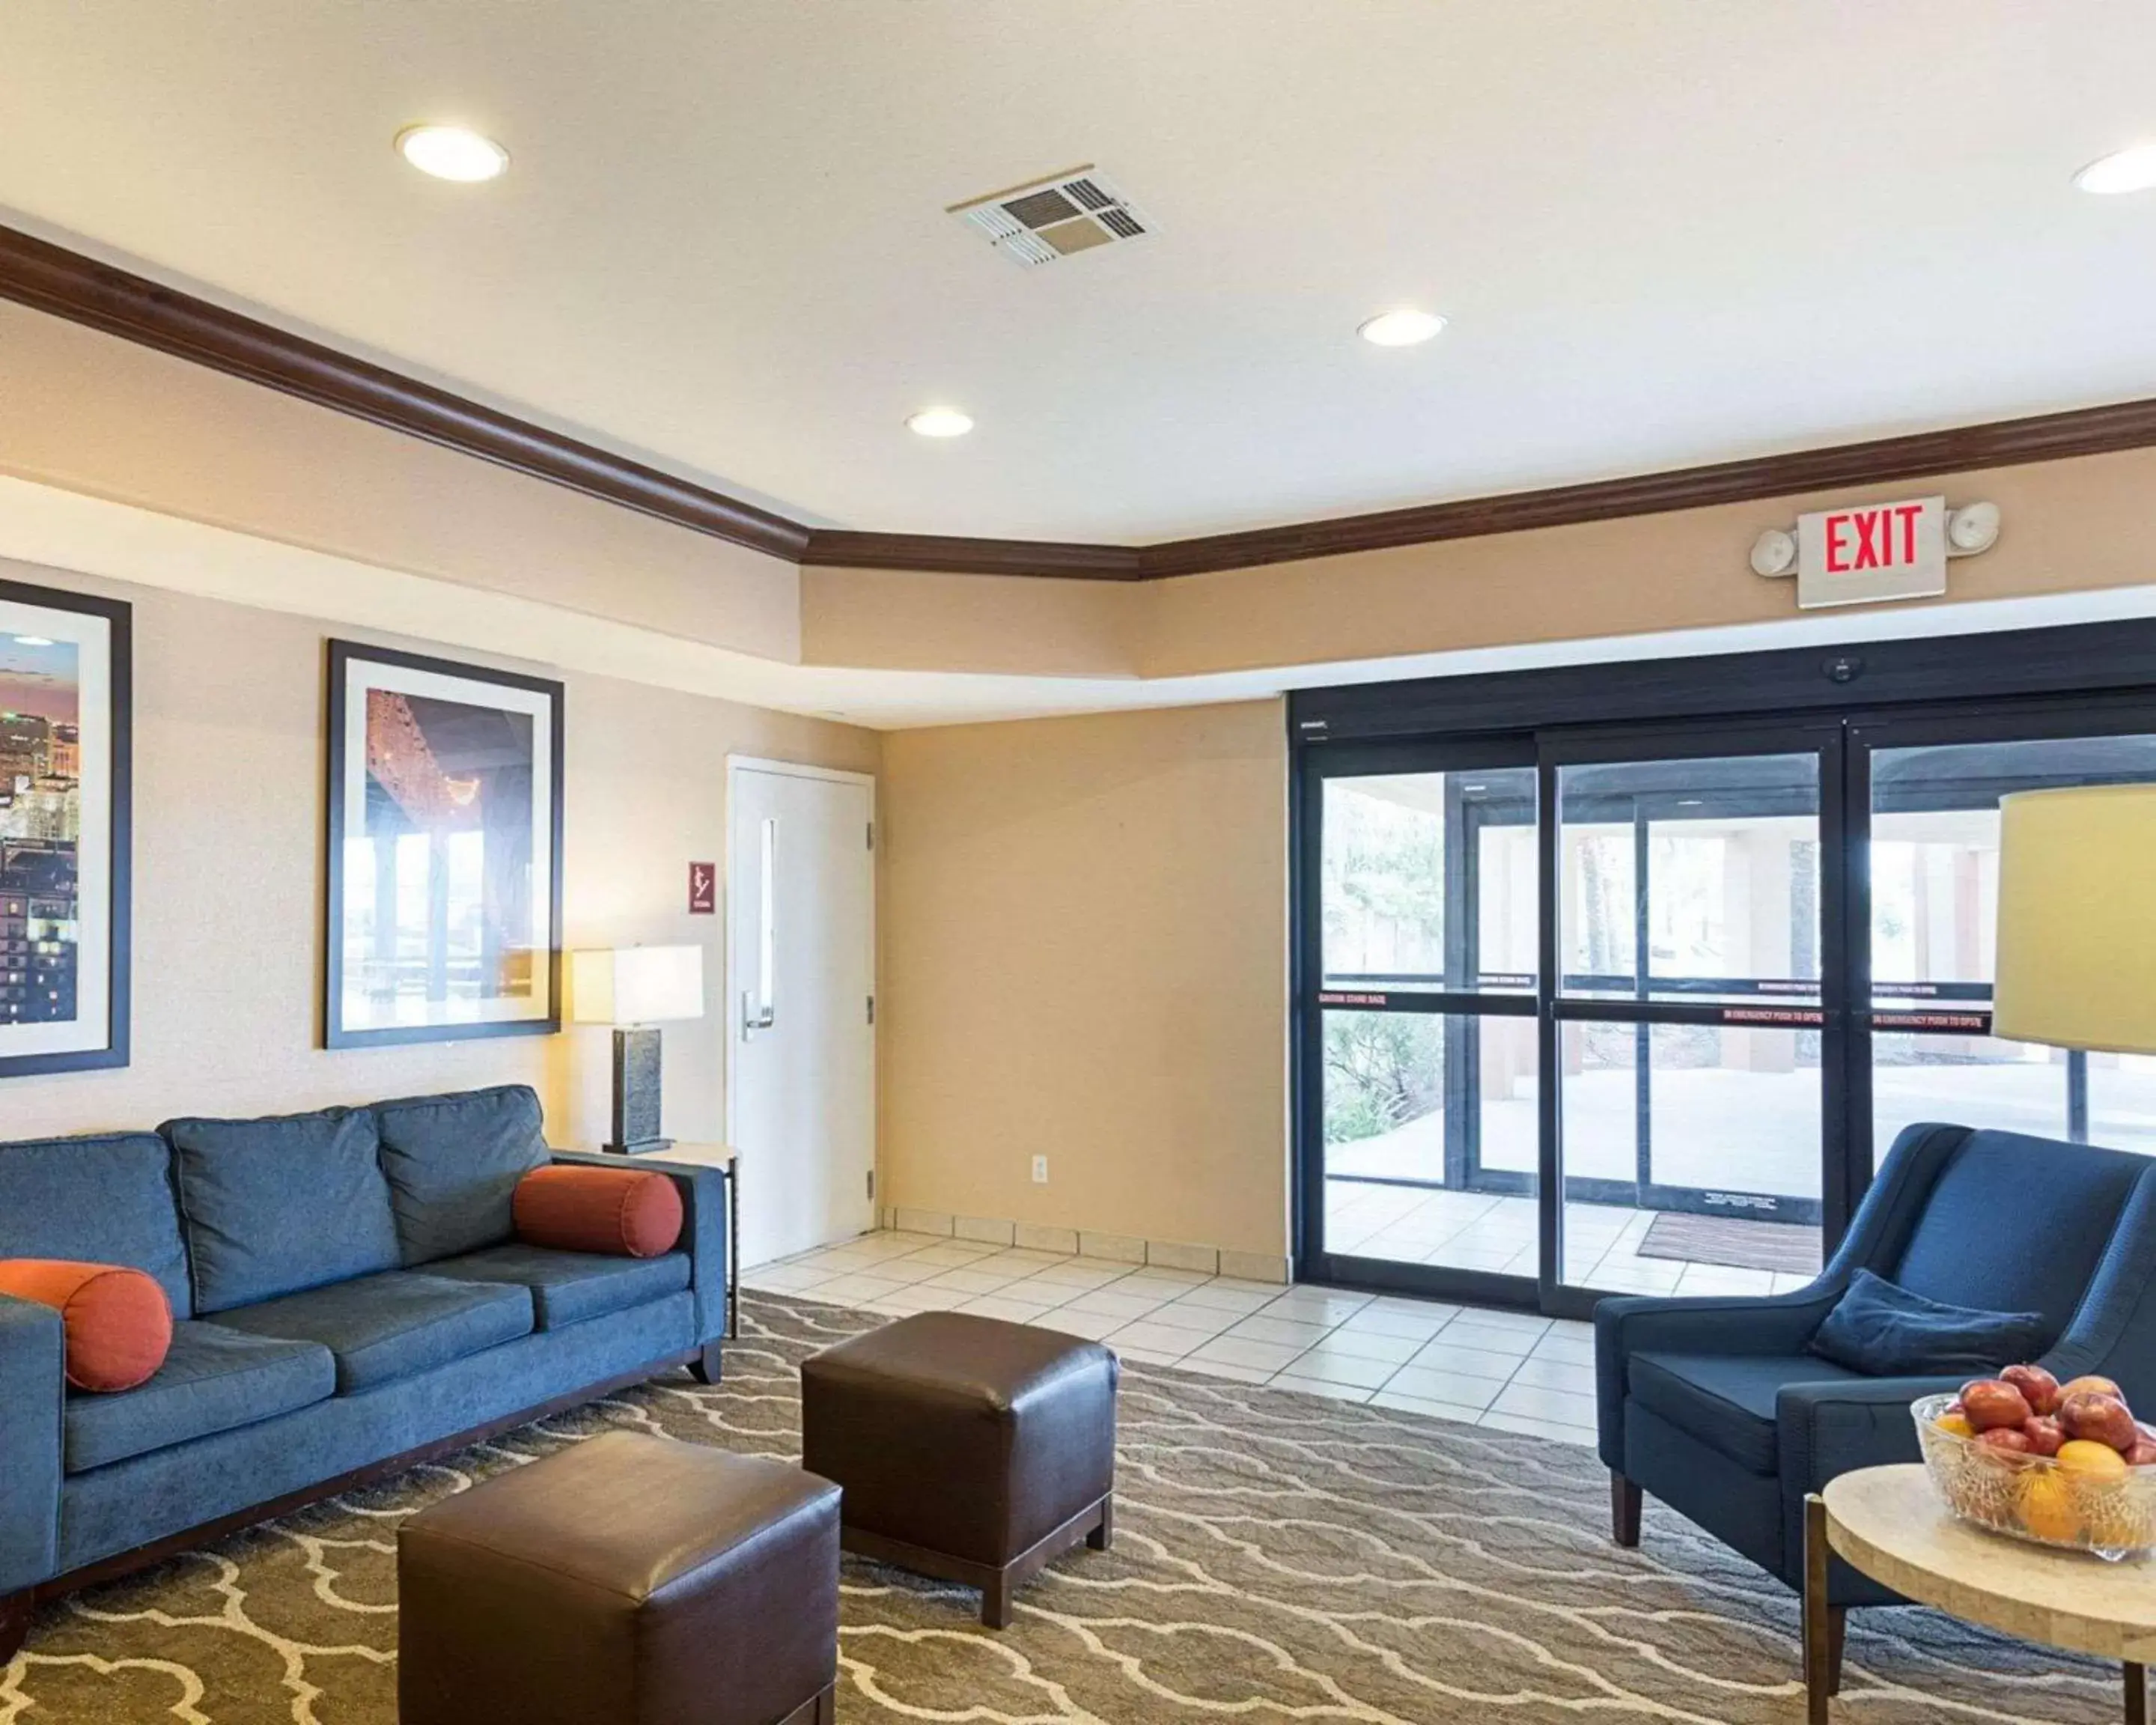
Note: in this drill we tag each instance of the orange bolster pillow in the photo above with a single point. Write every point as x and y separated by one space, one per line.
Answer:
119 1322
622 1212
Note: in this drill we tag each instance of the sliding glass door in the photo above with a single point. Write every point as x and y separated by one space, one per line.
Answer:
1425 1026
1688 1022
1608 1008
1929 788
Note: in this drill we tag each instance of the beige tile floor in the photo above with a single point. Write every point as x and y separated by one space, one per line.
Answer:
1497 1369
1472 1230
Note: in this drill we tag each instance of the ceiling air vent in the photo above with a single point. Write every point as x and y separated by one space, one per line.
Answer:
1055 218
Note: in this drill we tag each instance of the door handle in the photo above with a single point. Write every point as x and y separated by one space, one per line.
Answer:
760 1005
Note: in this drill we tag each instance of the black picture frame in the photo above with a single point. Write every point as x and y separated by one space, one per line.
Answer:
118 616
344 659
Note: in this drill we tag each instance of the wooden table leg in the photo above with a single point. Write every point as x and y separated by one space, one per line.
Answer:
1819 1653
2137 1694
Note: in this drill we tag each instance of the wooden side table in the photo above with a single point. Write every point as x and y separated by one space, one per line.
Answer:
728 1161
1889 1523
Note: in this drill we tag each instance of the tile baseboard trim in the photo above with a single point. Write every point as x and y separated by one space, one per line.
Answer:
1088 1243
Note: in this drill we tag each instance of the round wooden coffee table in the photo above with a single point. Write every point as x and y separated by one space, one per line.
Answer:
1889 1523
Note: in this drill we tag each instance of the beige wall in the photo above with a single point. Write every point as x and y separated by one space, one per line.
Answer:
228 866
895 619
91 413
1084 957
2071 526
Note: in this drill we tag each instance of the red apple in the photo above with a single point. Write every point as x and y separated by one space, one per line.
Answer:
2044 1434
2142 1454
2037 1386
1987 1404
2100 1418
2091 1386
2010 1438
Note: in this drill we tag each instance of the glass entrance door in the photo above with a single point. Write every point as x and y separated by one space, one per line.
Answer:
1610 1010
1687 1027
1424 1025
1927 787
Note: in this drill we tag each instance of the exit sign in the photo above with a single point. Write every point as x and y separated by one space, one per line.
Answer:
1873 550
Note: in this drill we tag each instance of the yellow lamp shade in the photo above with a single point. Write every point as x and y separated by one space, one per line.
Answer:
636 985
2077 918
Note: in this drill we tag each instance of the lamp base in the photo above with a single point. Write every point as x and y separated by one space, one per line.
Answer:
635 1094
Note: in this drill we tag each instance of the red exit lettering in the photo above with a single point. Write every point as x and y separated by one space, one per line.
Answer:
1871 538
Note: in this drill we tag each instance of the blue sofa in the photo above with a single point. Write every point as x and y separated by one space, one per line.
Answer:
348 1297
1715 1407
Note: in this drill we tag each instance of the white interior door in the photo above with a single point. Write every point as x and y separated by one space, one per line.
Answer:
801 976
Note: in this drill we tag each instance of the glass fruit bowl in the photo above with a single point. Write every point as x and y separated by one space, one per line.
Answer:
2035 1498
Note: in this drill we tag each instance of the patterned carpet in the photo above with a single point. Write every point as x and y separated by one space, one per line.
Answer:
1278 1559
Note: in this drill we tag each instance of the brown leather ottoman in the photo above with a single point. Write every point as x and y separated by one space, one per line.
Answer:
967 1449
629 1580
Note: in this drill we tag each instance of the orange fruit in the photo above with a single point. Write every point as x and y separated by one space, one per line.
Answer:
2048 1508
2092 1460
1955 1425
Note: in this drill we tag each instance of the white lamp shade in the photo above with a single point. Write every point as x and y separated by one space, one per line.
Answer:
636 985
2077 918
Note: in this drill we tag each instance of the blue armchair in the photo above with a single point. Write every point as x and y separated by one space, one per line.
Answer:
1715 1407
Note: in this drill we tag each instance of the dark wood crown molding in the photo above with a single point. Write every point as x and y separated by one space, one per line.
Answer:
2006 443
82 290
85 290
1070 559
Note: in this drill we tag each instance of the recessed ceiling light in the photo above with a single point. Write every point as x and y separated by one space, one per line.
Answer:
940 422
2133 169
1404 328
451 152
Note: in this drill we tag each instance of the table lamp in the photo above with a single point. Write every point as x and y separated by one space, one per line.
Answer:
633 989
2077 919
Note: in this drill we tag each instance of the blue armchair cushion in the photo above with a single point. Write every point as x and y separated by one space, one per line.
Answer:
2017 1224
214 1380
568 1287
384 1327
454 1162
275 1205
95 1200
1884 1331
1726 1401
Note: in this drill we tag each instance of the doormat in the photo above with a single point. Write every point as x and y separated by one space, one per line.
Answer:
1739 1246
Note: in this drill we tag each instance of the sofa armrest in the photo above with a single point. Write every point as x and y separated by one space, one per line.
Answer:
703 1226
32 1398
1826 1430
1768 1324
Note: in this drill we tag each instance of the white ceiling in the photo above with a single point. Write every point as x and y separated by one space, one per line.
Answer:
1666 231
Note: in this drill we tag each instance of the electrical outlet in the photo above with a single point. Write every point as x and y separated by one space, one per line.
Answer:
1041 1170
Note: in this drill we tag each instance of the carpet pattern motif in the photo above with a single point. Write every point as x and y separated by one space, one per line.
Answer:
1278 1558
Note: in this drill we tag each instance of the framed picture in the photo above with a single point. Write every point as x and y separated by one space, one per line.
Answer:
444 904
66 665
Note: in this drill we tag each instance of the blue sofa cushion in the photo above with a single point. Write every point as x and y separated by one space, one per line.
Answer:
568 1287
1726 1401
213 1379
2017 1224
387 1326
454 1162
96 1200
1887 1332
275 1205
